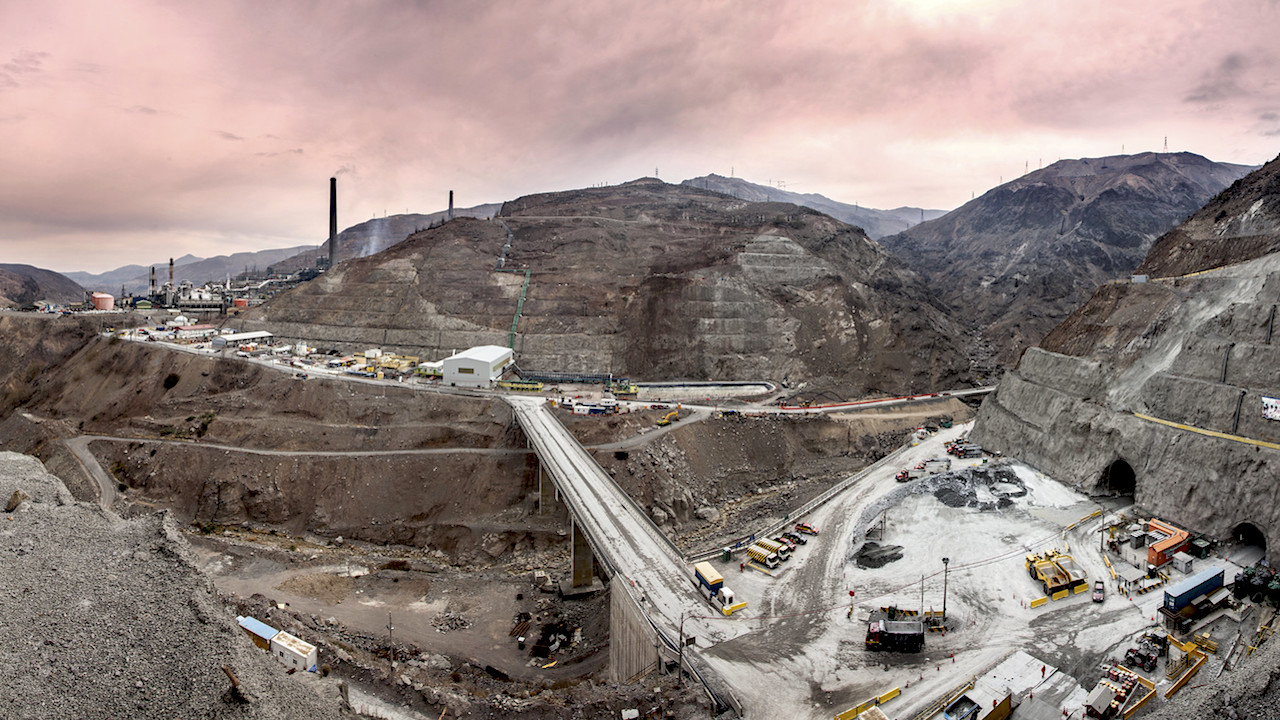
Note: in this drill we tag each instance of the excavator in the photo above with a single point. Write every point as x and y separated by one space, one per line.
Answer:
669 418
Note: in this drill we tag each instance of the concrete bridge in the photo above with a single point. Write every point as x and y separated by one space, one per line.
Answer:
650 583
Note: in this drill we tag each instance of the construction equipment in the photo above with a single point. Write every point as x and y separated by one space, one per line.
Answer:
1056 571
669 417
892 630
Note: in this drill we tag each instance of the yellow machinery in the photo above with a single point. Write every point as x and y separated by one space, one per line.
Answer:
669 417
1056 571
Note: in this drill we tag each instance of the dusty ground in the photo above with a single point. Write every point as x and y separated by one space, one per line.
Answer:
267 472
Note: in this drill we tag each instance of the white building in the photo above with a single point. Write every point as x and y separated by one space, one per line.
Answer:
477 366
234 339
293 652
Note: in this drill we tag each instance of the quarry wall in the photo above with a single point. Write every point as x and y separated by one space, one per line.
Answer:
1205 365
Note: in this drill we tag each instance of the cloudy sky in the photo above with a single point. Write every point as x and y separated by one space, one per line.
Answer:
134 130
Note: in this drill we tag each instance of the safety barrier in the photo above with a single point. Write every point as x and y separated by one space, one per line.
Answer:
865 705
1038 602
1201 658
1151 691
1081 588
1210 433
1060 594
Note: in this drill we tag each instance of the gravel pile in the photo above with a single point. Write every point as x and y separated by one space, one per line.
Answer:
104 618
449 621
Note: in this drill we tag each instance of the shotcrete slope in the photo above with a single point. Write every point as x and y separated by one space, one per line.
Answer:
1196 351
645 279
1024 255
103 618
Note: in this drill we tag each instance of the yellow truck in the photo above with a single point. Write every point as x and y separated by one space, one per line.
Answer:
1056 571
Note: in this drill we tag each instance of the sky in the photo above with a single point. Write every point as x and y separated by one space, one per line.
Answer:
133 130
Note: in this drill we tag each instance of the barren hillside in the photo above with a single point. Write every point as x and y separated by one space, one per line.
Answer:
1121 397
648 280
1020 258
22 284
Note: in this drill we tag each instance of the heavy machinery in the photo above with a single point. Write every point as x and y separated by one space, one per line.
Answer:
894 630
1056 571
711 585
669 417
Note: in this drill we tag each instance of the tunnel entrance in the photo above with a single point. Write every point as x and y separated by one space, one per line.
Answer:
1118 478
1248 544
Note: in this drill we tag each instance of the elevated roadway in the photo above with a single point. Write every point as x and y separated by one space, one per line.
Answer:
622 537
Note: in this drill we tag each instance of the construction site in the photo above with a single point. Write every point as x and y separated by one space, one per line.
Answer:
477 498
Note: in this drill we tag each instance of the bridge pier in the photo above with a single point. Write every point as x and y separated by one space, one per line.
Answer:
583 579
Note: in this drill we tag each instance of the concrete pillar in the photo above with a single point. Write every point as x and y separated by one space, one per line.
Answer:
583 561
546 492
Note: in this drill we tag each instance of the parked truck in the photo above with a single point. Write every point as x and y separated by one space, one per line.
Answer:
763 556
937 465
782 551
711 585
895 631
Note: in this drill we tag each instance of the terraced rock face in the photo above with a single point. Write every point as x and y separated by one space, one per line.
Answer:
647 280
1020 258
1124 392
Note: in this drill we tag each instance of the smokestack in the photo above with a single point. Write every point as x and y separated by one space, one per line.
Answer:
450 205
333 218
170 271
152 289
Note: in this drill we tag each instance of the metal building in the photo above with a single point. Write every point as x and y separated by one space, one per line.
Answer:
477 366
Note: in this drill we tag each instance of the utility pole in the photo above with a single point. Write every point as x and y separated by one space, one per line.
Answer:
945 562
680 662
391 669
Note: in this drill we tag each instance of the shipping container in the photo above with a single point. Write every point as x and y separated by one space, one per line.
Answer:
1181 595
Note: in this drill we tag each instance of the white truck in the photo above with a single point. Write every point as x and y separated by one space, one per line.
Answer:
711 585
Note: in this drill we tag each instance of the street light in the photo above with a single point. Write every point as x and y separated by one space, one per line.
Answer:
945 562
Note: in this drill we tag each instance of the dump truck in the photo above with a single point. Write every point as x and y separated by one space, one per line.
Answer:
937 465
711 585
783 552
894 631
1056 571
763 556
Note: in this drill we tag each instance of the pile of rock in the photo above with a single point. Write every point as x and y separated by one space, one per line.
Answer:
97 612
449 621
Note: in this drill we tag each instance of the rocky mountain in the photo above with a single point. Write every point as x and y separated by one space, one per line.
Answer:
1017 260
648 280
137 278
1160 389
876 223
23 284
374 236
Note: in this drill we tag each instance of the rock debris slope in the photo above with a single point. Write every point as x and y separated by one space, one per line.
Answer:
648 280
1198 350
103 618
1020 258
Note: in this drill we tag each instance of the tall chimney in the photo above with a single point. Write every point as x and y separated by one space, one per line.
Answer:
170 271
152 290
333 219
450 216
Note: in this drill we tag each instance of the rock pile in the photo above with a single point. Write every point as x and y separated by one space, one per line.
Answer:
449 621
104 618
